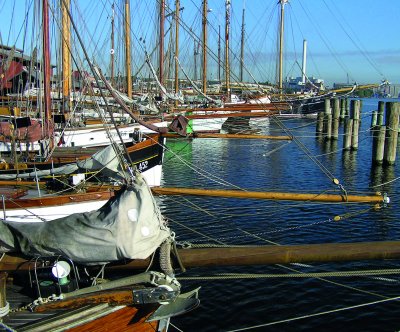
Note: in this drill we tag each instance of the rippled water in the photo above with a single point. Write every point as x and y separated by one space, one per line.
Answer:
265 165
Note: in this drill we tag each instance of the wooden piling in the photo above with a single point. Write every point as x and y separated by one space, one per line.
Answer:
392 132
381 112
328 126
378 144
335 118
327 129
374 119
348 129
342 108
355 115
347 109
320 123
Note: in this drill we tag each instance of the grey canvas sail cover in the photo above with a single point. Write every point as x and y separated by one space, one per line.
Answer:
104 160
128 226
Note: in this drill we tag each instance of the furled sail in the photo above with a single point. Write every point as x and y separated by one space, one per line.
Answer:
171 96
194 84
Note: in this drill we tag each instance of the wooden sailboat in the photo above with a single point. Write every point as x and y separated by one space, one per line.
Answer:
77 240
71 300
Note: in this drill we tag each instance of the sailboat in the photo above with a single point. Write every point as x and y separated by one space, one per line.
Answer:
66 251
86 232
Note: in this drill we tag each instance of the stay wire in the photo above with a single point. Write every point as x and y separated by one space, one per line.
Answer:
304 149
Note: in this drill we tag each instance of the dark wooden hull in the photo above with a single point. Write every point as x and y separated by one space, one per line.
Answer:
125 319
100 314
59 199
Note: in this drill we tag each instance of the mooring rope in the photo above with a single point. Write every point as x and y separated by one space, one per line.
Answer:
317 314
332 274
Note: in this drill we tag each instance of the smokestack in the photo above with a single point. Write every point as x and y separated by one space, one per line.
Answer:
303 69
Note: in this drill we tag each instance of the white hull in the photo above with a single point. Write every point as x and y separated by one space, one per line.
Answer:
99 136
39 214
208 125
85 137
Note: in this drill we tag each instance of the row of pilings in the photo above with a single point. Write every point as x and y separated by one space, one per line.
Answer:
384 127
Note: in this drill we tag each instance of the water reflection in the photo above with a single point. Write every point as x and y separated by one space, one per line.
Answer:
382 177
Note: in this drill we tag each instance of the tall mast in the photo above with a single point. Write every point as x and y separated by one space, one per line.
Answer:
227 65
112 46
128 49
303 68
161 49
242 45
46 64
281 31
66 49
219 53
177 9
205 46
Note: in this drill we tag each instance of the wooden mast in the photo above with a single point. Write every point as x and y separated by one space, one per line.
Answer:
66 53
112 51
204 21
227 64
219 53
242 45
177 9
128 49
161 49
281 32
46 70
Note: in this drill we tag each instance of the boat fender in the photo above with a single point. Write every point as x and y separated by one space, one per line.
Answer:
5 310
165 257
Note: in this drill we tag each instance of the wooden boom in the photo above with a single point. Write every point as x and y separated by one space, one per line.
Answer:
377 198
256 255
229 136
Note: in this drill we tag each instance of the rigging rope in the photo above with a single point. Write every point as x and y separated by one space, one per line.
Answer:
319 314
335 274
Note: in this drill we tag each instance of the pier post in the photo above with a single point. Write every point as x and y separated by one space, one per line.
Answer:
374 119
347 110
335 118
348 128
355 115
320 123
378 144
342 108
381 111
392 132
327 131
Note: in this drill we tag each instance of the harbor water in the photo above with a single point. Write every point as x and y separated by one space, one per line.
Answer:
270 297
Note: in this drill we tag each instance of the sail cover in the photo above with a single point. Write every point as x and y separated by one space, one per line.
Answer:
128 226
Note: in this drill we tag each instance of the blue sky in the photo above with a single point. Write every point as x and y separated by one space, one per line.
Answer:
355 40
